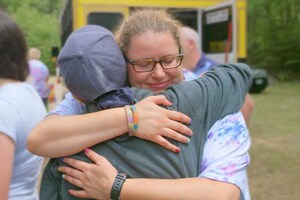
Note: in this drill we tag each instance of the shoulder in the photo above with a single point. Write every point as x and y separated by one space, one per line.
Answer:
208 60
69 106
37 63
188 75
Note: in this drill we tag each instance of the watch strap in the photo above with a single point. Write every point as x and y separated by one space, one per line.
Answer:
117 186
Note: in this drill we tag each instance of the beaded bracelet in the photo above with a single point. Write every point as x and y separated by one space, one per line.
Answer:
129 116
135 118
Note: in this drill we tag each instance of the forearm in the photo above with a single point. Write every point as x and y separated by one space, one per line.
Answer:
248 108
7 149
59 136
188 188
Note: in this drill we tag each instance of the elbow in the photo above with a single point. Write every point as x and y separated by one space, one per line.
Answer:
32 143
227 191
233 195
37 143
232 192
248 108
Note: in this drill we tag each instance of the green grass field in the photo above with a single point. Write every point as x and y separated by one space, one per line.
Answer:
274 172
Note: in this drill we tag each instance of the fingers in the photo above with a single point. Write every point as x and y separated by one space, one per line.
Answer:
169 133
93 156
79 193
166 144
159 139
160 100
175 115
177 127
178 116
101 162
68 175
77 164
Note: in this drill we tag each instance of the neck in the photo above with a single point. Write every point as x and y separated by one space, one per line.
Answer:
194 60
4 81
191 59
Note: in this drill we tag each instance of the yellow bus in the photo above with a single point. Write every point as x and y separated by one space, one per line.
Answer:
221 24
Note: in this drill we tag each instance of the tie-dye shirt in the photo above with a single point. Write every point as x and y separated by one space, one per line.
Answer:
225 155
38 76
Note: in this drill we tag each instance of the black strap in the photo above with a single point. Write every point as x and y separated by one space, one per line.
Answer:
117 186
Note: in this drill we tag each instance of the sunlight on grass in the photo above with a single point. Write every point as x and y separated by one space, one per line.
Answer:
274 172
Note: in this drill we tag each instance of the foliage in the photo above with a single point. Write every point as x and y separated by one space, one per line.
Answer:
39 22
273 36
273 32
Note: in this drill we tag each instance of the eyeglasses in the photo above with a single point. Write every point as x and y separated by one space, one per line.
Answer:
148 64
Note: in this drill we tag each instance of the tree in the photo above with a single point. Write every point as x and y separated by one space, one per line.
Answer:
273 35
39 21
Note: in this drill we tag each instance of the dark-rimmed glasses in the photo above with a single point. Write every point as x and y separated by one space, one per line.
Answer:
148 64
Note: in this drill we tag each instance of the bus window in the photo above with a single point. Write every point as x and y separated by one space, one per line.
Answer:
187 17
107 20
217 30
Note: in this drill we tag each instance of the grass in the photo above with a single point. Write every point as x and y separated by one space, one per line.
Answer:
274 172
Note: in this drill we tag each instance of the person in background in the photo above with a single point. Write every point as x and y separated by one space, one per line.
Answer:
198 63
39 74
21 109
149 67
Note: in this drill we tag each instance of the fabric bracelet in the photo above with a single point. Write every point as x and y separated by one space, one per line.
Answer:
135 119
129 116
117 186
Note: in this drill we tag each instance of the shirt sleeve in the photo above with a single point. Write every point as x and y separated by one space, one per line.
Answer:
221 91
69 106
225 156
45 71
9 120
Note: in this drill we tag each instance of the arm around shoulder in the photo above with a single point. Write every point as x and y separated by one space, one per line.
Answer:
58 136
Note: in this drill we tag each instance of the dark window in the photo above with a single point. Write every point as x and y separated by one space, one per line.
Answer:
186 17
107 20
66 22
217 30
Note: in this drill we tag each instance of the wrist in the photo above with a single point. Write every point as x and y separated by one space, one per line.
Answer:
132 119
117 186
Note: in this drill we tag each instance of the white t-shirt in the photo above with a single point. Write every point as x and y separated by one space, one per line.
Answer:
21 109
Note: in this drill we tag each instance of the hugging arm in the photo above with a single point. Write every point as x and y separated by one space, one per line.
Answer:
59 136
223 175
97 179
92 177
223 91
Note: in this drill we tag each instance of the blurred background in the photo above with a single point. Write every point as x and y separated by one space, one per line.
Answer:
262 33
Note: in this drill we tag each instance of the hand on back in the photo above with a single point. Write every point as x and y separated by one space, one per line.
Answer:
157 123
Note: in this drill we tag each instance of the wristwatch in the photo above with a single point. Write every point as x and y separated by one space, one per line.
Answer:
117 186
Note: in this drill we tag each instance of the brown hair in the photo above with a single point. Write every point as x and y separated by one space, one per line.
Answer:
13 50
146 20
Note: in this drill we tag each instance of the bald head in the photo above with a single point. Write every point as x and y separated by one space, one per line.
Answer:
34 54
190 40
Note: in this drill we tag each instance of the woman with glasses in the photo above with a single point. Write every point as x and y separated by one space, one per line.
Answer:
212 166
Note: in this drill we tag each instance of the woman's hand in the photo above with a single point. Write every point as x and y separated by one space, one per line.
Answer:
96 179
156 123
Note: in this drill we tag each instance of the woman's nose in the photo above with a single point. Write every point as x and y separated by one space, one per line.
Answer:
158 71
